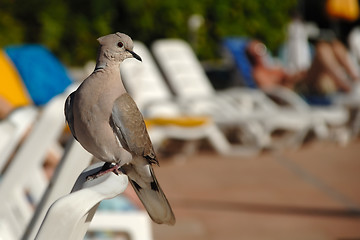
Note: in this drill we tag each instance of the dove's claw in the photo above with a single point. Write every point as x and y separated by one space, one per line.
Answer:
108 167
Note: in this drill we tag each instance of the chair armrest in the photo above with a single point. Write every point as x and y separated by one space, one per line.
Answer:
69 216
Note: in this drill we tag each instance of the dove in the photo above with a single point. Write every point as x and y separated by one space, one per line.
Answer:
106 121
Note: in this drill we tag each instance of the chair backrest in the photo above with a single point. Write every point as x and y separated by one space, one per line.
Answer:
74 160
18 205
23 183
12 88
31 74
39 69
146 84
237 47
182 69
354 39
12 131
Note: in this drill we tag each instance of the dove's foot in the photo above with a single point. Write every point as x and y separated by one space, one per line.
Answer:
108 167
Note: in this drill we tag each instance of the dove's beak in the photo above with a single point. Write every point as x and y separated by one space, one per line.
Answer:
135 55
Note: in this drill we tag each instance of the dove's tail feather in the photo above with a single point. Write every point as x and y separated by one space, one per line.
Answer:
152 197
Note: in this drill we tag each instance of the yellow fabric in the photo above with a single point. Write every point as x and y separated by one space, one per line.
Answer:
177 121
343 9
11 86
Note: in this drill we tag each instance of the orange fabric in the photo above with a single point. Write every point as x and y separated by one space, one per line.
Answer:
343 9
11 86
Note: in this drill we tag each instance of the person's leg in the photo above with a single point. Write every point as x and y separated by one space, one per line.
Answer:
344 59
325 62
315 73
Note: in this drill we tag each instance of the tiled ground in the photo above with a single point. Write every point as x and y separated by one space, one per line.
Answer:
310 193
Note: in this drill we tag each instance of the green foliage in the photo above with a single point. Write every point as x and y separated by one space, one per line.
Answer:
70 27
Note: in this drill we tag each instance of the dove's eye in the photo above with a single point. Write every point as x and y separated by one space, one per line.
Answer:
120 44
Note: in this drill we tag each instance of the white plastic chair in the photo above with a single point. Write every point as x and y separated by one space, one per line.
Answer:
77 209
354 44
320 119
148 88
323 118
23 184
235 106
74 160
135 224
146 85
24 181
13 129
69 217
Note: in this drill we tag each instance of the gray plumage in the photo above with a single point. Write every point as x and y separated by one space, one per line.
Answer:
106 121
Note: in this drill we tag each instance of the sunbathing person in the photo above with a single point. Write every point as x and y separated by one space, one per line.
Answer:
331 70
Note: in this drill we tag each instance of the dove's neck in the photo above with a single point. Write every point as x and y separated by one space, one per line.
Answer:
103 63
110 70
104 60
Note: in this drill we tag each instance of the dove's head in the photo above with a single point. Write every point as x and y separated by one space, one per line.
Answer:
117 47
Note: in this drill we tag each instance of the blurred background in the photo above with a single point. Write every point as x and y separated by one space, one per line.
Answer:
306 190
70 28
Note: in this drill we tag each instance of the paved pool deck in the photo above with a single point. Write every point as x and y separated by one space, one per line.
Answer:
312 193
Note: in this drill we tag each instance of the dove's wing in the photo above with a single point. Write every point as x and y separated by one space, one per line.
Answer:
129 127
69 113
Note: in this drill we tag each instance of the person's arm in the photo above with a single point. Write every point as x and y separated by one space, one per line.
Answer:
269 77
